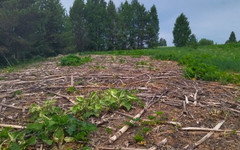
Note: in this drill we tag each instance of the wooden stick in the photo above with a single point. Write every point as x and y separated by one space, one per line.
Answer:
12 126
163 142
10 106
72 82
195 145
186 99
126 127
122 148
64 96
206 129
195 97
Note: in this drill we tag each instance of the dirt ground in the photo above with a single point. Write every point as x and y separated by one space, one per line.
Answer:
190 103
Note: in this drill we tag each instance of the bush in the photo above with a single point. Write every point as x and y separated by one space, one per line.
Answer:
205 42
73 60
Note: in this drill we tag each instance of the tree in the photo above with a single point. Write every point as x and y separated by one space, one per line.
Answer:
232 38
205 42
162 42
153 28
79 25
124 25
193 41
181 31
96 19
112 29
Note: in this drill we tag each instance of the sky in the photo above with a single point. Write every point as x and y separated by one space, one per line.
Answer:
211 19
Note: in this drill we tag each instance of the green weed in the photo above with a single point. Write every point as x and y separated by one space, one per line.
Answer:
121 61
49 124
73 60
98 102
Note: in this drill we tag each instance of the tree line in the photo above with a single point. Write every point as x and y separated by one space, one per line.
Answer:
182 35
98 25
42 28
31 29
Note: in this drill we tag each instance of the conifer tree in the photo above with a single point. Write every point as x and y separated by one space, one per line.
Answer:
79 25
232 38
153 28
181 31
112 29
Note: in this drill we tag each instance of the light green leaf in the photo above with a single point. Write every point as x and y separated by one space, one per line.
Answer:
69 139
58 136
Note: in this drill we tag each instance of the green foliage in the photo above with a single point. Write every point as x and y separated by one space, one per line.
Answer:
73 60
205 42
181 31
19 92
71 89
38 27
138 138
49 124
121 61
50 120
11 139
98 102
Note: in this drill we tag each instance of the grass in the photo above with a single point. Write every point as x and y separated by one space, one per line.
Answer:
23 65
211 63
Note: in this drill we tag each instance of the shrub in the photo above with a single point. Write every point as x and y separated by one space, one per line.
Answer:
205 42
73 60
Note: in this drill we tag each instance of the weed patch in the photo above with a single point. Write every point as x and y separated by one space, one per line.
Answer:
98 102
73 60
50 125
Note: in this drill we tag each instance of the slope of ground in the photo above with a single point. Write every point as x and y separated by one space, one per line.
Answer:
153 80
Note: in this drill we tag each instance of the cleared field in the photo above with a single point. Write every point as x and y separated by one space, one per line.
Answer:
177 102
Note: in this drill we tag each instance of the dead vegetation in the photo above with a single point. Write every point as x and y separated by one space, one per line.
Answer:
178 113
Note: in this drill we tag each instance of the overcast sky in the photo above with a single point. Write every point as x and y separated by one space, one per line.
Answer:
211 19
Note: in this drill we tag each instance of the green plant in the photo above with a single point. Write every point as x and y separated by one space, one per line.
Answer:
11 139
71 89
97 102
19 92
121 61
73 60
49 124
138 138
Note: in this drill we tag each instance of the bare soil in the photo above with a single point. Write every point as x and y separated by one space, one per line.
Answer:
162 81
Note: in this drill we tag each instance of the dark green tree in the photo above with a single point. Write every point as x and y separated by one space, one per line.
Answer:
152 28
232 38
140 20
162 42
112 28
53 26
96 18
193 41
124 25
181 31
79 24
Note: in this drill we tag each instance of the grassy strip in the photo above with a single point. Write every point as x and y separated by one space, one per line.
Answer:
211 63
